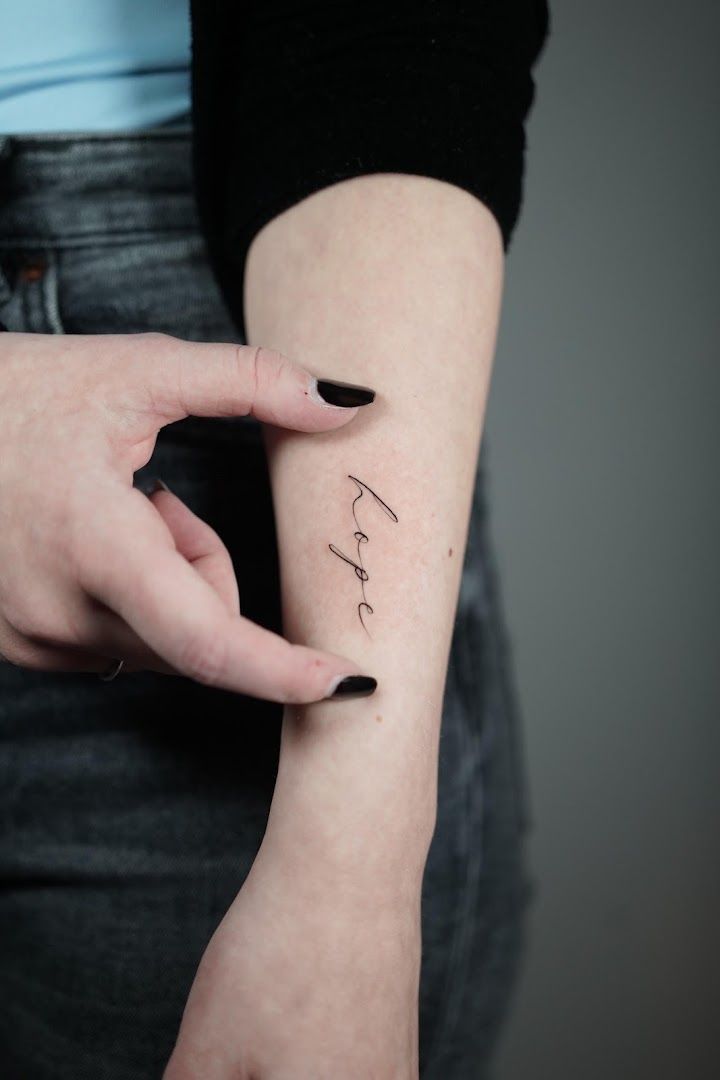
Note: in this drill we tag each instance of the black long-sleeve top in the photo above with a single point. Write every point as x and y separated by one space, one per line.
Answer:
289 96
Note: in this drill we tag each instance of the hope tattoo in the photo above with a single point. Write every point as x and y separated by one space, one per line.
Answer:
362 538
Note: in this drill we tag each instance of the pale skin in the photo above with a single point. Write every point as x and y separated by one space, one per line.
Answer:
391 281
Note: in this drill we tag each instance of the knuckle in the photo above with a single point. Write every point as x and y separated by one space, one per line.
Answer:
203 657
33 618
20 652
255 378
268 368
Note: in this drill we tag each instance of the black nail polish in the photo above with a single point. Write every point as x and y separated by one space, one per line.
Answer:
345 394
355 686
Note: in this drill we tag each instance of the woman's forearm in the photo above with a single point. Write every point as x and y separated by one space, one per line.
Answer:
391 281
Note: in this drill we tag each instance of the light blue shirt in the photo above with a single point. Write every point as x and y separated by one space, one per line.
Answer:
93 65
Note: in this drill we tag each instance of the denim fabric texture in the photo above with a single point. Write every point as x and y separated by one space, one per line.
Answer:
132 810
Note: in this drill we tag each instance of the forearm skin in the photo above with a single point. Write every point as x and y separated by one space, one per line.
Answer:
392 281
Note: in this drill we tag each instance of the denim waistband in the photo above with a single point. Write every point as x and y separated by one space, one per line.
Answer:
75 188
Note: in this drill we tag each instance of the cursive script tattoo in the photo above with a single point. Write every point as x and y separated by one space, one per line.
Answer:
362 538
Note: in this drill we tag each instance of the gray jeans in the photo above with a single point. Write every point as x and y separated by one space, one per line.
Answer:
132 810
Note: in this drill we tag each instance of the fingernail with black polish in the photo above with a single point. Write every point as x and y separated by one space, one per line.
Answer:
354 686
346 395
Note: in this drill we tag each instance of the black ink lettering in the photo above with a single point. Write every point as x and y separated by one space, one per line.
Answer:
362 538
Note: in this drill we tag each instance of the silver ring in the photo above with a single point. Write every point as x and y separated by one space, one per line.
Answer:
112 671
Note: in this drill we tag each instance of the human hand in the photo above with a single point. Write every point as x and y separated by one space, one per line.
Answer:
313 973
90 568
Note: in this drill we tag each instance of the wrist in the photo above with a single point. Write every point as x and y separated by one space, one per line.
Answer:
362 825
354 873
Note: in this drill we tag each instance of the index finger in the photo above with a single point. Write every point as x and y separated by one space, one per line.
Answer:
130 563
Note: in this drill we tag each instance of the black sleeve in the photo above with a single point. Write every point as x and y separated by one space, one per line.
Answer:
290 96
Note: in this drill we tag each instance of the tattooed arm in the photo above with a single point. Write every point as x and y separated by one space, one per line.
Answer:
393 282
390 281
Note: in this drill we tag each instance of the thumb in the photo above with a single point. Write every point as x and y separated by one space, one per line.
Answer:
189 378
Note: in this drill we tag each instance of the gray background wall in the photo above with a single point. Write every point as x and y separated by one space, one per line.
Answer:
602 435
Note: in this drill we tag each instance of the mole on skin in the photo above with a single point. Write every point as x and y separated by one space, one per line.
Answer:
450 552
378 719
